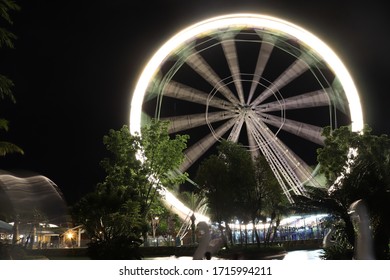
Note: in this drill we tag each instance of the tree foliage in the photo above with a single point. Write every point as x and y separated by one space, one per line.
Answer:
237 187
6 40
162 156
225 178
357 166
135 171
7 37
213 183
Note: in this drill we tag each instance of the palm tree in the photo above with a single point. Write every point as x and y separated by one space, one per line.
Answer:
367 177
197 203
6 40
7 147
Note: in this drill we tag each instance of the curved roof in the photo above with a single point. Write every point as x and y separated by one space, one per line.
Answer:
5 227
31 197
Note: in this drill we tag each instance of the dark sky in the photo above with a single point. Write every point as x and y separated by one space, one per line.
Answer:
75 64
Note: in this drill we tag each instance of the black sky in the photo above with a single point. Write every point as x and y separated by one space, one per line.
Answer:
75 64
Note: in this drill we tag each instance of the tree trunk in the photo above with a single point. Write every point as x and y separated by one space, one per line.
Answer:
256 234
230 234
224 239
15 232
275 229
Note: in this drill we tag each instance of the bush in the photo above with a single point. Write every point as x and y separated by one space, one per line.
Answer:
337 252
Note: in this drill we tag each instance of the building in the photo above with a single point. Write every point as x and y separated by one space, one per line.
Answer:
34 207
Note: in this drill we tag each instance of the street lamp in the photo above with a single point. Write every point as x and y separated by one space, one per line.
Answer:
69 235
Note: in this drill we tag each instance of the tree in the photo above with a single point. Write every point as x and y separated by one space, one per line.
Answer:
227 180
164 223
266 198
357 166
135 171
213 183
111 214
197 202
6 37
6 85
161 158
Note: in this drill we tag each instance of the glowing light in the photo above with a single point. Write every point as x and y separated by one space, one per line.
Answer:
182 210
254 21
69 235
242 21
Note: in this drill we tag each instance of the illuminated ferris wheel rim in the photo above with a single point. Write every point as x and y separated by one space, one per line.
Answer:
247 21
241 21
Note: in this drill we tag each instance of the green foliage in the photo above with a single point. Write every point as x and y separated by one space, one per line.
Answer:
6 85
195 201
237 187
224 179
341 249
113 209
361 164
123 169
135 169
168 223
108 214
267 194
163 154
6 40
7 147
7 37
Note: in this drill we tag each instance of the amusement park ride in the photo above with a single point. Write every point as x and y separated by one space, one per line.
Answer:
255 79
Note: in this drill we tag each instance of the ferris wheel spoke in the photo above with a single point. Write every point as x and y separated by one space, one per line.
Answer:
197 62
272 160
294 169
311 99
262 59
182 92
267 143
292 72
230 51
253 149
193 153
180 123
307 131
235 133
207 59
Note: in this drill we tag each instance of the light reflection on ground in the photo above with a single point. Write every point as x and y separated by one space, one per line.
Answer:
298 255
301 255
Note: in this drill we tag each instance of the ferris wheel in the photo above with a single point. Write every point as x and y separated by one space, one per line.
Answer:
257 80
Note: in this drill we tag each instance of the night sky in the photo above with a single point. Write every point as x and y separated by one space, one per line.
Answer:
75 64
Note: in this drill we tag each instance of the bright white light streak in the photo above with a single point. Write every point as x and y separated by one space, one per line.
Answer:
249 21
181 209
245 21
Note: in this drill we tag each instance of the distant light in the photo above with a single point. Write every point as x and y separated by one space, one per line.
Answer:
69 235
